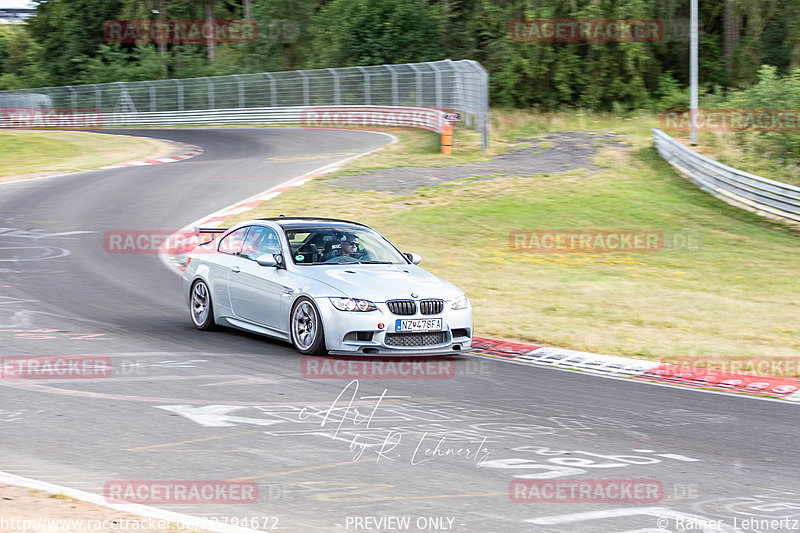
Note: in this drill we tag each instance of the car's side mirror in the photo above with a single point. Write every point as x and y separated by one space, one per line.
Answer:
267 260
414 258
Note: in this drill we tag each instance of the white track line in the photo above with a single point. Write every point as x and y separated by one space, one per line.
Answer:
184 521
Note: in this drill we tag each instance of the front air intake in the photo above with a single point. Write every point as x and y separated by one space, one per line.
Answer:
416 339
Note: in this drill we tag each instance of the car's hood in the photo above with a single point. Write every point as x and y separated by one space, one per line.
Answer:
382 282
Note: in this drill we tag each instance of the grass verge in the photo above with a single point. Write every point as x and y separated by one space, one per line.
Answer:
724 287
746 151
35 153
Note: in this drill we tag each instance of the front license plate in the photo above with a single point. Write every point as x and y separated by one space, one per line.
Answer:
424 324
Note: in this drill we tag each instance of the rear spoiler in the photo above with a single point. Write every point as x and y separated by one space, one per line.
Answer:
198 230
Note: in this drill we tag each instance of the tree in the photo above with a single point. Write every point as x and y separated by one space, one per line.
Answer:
374 32
18 52
69 33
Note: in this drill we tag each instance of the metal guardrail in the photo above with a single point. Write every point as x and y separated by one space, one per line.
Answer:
458 86
764 196
322 117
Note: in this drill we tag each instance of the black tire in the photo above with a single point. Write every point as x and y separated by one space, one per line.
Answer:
305 325
200 307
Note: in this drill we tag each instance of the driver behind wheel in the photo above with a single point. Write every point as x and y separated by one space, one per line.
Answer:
349 248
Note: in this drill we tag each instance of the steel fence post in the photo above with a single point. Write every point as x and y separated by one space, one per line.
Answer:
52 95
273 97
240 89
418 75
393 71
303 77
73 98
152 96
179 90
98 97
437 77
367 92
336 89
210 100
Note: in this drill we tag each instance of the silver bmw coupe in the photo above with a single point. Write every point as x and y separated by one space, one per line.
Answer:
324 285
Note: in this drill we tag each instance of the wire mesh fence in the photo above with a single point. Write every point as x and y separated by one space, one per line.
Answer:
457 86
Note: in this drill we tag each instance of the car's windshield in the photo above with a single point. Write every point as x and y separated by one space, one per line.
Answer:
340 245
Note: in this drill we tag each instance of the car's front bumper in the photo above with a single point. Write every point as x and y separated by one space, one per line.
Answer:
386 352
456 331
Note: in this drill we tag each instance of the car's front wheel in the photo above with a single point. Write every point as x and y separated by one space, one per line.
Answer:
200 308
306 325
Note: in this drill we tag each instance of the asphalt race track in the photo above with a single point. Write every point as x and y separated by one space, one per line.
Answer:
182 405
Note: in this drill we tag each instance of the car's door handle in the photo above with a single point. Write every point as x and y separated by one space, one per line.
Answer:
236 269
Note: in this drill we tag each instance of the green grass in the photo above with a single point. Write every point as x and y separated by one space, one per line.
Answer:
734 297
31 153
748 152
24 153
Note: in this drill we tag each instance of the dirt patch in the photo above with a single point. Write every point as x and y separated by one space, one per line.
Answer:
31 511
163 148
553 153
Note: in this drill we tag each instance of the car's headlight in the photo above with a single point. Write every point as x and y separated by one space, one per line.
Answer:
462 302
352 304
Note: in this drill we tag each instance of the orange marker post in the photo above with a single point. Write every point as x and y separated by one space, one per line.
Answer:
447 140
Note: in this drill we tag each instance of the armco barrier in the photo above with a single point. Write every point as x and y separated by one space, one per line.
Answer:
460 88
764 196
334 116
309 117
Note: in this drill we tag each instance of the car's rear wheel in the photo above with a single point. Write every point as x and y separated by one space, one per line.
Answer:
200 307
308 336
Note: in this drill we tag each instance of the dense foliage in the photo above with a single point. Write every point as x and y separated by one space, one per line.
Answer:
64 43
